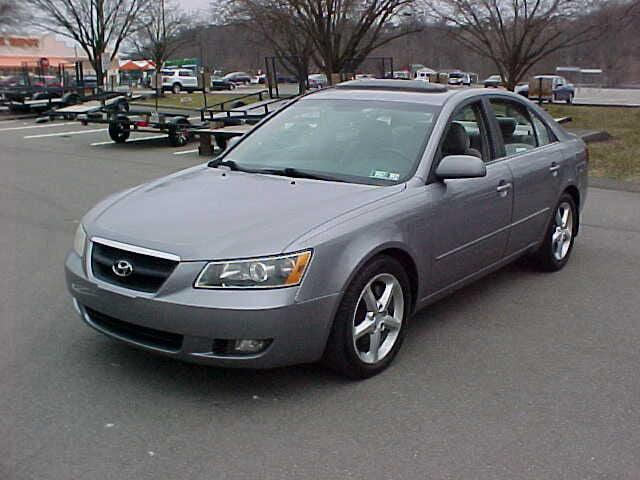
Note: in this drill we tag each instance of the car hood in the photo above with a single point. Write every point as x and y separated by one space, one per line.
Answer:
208 213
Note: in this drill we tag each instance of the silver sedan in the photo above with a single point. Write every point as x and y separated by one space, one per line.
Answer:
319 233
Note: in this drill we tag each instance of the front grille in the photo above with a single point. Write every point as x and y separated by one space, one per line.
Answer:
148 275
143 335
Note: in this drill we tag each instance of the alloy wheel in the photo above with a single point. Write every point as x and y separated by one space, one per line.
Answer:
563 232
378 318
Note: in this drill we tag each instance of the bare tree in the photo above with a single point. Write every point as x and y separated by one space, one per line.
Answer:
275 23
336 34
515 34
345 32
98 26
158 32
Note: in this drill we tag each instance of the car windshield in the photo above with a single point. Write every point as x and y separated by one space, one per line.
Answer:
371 142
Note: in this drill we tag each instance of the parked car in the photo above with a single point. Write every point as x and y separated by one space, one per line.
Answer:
563 91
219 83
494 81
317 80
402 74
238 77
459 78
178 79
320 232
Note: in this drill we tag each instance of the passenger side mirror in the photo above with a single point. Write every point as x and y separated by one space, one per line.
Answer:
461 166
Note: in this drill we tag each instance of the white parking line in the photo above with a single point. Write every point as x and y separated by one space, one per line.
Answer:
62 134
184 152
35 126
130 140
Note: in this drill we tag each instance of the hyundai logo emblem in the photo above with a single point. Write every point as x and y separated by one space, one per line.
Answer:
122 268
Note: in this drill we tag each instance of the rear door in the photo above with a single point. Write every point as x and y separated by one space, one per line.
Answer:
471 216
534 157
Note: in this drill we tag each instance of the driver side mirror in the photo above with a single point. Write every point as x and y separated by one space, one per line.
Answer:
460 166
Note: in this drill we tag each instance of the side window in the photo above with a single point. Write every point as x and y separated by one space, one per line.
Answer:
466 134
542 131
516 127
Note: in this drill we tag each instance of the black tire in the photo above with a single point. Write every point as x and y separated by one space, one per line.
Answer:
340 353
176 87
120 130
570 100
545 258
179 134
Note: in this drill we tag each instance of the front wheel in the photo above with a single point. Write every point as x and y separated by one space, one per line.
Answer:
370 323
556 248
176 88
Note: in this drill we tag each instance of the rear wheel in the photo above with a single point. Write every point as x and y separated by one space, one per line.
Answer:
370 323
179 134
120 130
556 248
176 88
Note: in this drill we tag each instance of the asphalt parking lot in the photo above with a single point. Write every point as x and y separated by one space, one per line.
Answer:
520 376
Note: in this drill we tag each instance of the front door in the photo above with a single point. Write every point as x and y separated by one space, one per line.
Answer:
470 217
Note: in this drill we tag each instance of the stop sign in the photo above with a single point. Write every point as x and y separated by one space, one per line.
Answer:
44 62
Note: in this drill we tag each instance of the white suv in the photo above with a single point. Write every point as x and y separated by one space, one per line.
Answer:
179 79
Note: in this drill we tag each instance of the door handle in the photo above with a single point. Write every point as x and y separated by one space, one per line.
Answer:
503 189
554 168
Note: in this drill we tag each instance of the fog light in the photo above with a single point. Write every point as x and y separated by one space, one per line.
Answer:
246 345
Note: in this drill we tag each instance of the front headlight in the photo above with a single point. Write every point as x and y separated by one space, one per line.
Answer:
80 240
268 272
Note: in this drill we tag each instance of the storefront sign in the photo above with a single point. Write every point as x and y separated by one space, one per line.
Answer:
19 42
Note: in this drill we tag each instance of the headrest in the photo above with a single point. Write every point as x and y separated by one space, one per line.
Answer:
457 141
507 126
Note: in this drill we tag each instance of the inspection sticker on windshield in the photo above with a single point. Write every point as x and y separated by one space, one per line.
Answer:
385 175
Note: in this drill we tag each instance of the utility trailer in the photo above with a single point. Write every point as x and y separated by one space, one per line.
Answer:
124 117
234 118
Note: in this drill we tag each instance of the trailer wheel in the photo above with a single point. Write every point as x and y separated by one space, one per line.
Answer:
120 130
179 133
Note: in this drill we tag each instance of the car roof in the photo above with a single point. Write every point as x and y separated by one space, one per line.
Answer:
392 91
400 91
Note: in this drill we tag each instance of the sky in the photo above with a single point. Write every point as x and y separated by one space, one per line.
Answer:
194 4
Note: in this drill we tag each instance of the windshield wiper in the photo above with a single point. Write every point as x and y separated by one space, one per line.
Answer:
295 173
285 172
219 162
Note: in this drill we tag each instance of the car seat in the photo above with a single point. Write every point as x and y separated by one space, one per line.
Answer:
457 142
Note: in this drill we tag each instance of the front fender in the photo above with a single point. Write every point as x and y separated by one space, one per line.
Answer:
342 250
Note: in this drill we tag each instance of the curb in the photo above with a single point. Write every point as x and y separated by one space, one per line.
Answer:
610 184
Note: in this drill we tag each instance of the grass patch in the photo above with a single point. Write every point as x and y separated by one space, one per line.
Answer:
195 101
618 158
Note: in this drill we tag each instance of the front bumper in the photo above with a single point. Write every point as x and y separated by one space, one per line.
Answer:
298 330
